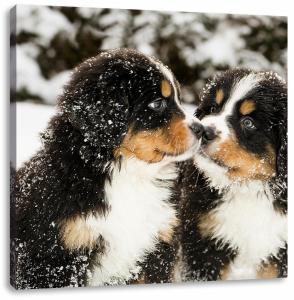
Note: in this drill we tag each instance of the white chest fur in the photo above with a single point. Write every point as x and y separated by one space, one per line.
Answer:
139 210
248 221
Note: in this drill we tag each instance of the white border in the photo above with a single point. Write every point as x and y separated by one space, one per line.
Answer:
278 289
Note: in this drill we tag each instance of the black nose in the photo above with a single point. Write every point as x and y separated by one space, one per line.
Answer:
197 129
209 134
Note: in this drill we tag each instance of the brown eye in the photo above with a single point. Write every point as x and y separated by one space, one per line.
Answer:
248 123
213 109
158 105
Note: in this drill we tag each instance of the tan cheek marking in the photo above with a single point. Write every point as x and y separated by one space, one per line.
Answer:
219 96
75 234
207 224
165 88
151 146
178 134
244 165
141 145
168 234
267 271
247 107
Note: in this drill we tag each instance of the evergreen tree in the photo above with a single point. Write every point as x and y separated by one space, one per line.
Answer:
51 41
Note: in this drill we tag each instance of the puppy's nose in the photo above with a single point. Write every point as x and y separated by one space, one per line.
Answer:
197 129
209 134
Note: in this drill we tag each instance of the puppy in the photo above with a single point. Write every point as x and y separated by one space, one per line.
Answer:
94 206
235 194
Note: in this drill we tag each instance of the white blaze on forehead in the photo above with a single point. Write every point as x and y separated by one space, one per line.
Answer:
169 75
189 118
216 174
239 90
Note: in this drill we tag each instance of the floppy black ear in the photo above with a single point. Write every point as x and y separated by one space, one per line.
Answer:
96 103
279 185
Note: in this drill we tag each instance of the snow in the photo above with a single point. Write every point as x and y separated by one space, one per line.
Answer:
222 47
31 120
88 12
114 22
199 46
145 38
31 19
29 75
45 24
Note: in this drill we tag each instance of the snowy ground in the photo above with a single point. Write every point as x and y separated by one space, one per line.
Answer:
31 120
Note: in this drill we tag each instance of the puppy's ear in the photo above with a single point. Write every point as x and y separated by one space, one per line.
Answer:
96 102
279 185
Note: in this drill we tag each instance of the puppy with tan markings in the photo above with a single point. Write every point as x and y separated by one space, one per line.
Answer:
94 206
235 192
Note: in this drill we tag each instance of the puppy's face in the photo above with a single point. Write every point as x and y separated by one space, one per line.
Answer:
129 105
241 112
157 126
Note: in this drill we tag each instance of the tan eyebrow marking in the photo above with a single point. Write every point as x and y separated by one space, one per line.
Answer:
219 96
247 107
165 88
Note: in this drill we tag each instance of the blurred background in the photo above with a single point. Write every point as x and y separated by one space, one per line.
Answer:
52 40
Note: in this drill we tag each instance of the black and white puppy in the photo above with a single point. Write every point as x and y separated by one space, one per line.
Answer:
94 206
235 194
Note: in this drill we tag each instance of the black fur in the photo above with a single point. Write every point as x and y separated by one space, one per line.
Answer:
67 176
204 258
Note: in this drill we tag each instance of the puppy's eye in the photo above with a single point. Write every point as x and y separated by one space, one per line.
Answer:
213 109
248 123
158 105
